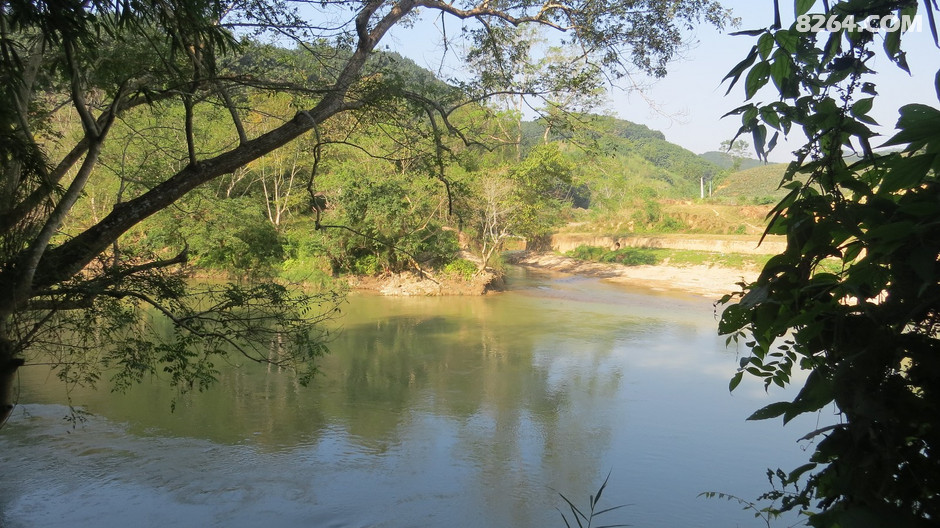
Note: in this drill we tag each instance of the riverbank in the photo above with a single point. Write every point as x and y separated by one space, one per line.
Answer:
704 280
410 284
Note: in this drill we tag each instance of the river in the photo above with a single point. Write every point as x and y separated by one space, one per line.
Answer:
458 412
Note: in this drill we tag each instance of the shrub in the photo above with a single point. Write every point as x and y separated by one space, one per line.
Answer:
627 256
670 224
461 268
586 253
630 257
312 271
367 265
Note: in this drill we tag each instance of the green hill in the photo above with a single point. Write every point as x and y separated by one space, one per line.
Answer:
726 161
759 184
615 156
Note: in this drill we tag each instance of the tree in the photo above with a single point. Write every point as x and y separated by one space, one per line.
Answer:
100 61
737 150
854 298
541 182
496 203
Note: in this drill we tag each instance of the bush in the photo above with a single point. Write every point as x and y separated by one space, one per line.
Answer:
670 224
630 257
367 265
461 268
312 271
627 256
586 253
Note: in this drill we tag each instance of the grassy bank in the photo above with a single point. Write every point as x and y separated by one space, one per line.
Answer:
630 256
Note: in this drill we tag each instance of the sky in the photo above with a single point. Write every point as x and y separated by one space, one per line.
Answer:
693 90
688 103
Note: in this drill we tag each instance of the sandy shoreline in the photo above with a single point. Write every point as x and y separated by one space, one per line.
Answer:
707 281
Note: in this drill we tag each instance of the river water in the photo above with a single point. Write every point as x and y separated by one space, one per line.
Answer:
464 412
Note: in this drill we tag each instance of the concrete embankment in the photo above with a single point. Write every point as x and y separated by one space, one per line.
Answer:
747 245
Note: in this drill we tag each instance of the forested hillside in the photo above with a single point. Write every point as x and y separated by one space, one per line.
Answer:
649 165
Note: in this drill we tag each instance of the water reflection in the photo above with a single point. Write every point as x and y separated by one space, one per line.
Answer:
430 411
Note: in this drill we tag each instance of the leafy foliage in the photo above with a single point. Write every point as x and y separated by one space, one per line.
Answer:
867 332
386 223
461 268
143 103
541 183
145 333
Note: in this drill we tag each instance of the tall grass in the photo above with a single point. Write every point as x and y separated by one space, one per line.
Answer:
586 520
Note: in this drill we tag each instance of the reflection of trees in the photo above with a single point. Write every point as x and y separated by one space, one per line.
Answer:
514 382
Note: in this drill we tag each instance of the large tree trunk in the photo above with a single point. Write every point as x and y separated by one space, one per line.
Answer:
8 367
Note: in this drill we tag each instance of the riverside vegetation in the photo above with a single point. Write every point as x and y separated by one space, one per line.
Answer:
140 141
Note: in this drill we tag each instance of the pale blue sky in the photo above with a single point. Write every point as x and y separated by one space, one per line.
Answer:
692 87
688 104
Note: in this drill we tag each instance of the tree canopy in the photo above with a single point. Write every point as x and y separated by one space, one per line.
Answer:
855 297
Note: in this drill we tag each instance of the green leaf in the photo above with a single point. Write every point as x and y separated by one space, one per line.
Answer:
739 110
771 411
803 6
862 107
936 83
851 251
748 33
918 126
833 49
906 172
740 68
770 117
765 44
923 261
735 381
788 40
892 47
600 491
756 78
759 134
795 475
749 117
815 394
780 70
933 25
734 318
